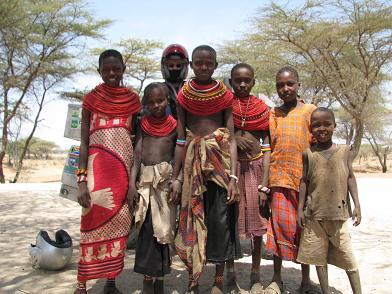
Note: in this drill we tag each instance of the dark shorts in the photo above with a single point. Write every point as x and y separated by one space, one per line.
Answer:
223 241
151 258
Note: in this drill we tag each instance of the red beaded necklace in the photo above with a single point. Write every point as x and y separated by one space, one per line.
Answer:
158 127
256 116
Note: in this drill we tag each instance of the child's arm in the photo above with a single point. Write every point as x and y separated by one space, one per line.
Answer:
137 159
353 189
179 153
232 190
266 162
303 187
83 194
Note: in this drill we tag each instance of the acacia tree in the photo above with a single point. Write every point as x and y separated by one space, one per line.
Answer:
345 45
44 39
140 59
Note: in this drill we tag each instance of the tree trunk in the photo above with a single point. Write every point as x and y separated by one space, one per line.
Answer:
27 143
384 165
2 177
359 130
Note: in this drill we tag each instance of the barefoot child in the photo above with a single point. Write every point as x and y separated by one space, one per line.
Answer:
155 217
207 150
251 117
104 166
324 204
290 136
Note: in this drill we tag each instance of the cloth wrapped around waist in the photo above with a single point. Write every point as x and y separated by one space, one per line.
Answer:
153 188
207 159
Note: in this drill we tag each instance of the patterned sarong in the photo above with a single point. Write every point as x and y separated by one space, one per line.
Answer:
250 221
207 159
106 223
283 232
153 187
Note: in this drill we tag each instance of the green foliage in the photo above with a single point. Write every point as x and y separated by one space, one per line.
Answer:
40 42
140 58
342 49
38 148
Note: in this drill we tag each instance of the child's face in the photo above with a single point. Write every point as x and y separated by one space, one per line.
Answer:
287 86
111 70
242 81
322 126
203 65
157 102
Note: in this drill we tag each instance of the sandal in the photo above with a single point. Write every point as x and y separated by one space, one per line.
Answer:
257 288
273 288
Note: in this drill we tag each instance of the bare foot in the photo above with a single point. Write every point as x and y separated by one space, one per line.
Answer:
158 287
148 287
231 283
255 285
80 291
110 289
192 290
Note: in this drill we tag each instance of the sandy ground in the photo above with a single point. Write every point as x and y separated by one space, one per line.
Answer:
27 208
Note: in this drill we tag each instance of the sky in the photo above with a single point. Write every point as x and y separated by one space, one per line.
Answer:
185 22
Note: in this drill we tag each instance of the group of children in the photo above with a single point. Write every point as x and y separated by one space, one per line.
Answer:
233 168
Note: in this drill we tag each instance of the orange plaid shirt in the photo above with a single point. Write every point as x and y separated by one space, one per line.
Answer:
290 136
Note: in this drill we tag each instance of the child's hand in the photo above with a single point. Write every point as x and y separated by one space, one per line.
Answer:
232 192
132 197
244 143
262 198
356 216
301 218
175 192
83 195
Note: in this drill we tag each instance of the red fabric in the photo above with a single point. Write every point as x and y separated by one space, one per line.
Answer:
256 114
158 127
112 102
250 221
204 99
283 232
106 223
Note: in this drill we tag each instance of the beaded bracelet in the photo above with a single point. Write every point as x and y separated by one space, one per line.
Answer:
81 178
264 189
180 142
81 171
234 177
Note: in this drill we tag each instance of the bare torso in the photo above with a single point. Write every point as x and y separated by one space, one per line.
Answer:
202 125
158 149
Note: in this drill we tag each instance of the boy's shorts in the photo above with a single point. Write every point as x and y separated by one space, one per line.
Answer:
326 242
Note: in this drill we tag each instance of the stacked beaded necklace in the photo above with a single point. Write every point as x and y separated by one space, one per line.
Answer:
204 99
112 102
256 116
158 127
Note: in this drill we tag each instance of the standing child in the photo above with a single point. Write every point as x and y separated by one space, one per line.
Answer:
251 117
155 217
290 136
207 149
325 236
104 166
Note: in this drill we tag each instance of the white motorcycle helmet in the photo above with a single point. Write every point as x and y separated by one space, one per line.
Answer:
51 255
